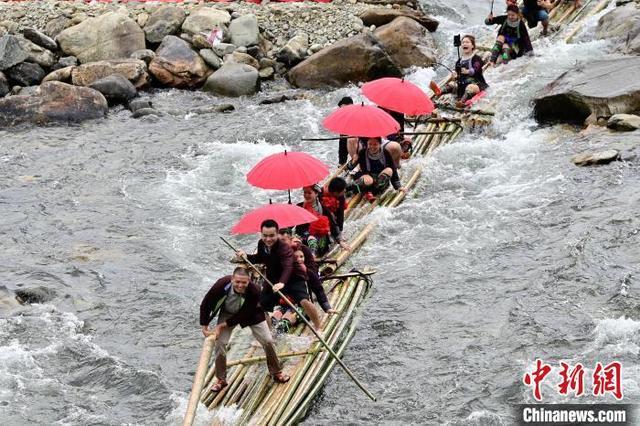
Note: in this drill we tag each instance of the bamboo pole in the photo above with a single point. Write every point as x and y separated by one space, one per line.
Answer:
271 407
260 358
299 405
317 361
292 306
198 381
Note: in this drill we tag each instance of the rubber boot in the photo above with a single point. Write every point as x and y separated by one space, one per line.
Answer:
495 51
382 184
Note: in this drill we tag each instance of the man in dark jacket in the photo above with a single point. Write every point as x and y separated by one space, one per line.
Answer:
277 259
313 277
235 299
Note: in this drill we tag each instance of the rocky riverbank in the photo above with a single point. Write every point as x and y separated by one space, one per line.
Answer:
226 49
600 92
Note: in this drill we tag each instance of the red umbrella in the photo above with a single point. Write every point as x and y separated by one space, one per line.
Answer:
361 120
285 215
398 95
287 170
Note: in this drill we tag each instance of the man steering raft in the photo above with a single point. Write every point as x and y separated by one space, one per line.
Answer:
235 299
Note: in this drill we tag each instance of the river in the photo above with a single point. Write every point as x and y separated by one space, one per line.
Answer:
504 253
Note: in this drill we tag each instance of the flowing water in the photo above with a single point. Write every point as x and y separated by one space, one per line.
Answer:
504 253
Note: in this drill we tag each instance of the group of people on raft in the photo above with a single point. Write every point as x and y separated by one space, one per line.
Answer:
290 259
512 42
290 255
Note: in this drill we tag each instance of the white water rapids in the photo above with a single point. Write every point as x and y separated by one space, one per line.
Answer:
504 253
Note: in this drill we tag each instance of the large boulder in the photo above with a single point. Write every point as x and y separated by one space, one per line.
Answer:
622 24
53 102
295 50
26 74
177 65
163 22
116 89
36 53
40 38
110 36
233 80
358 58
407 42
10 52
204 19
380 17
134 70
600 88
244 31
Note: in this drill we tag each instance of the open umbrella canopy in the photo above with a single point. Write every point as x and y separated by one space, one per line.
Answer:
287 170
285 215
398 95
361 120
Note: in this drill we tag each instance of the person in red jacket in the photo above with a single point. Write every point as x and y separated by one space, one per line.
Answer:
235 300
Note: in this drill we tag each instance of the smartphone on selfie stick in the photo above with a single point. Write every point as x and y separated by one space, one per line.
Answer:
457 42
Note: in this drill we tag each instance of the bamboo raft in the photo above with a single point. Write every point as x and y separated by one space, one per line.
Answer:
251 396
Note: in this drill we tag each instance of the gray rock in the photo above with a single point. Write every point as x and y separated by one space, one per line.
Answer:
133 70
266 62
622 25
145 55
222 49
407 42
67 61
199 41
241 49
35 295
110 36
62 74
139 103
316 48
594 158
204 19
355 59
37 54
116 89
624 122
213 109
233 80
241 58
29 90
143 112
244 31
40 38
295 50
176 65
211 58
10 52
57 25
26 74
602 88
53 102
266 73
5 87
379 17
